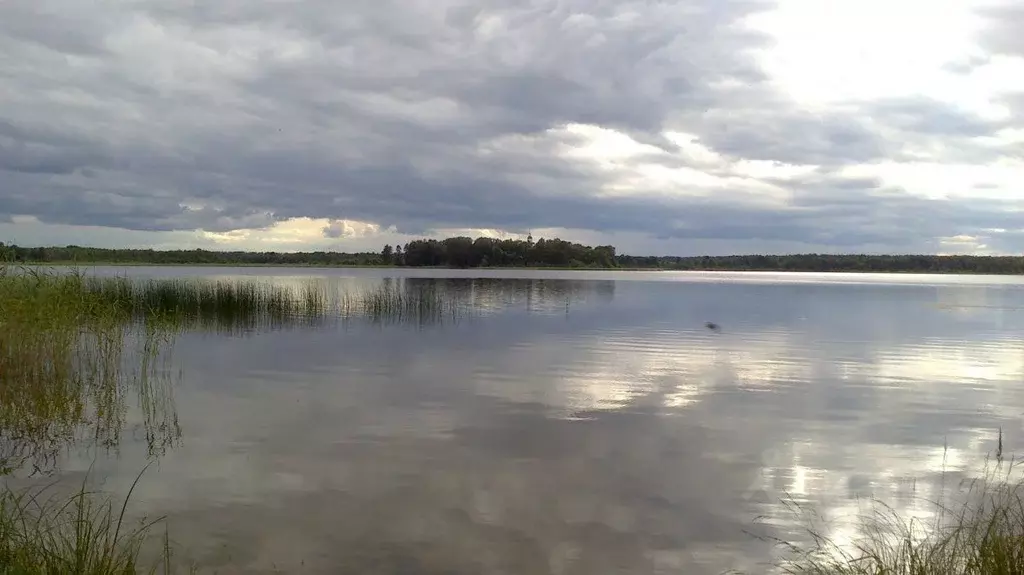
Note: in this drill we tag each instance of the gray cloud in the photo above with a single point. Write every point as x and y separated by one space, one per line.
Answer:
967 64
793 136
930 117
426 115
1016 104
1004 25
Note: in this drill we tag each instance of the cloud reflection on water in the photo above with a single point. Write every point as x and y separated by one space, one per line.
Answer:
618 433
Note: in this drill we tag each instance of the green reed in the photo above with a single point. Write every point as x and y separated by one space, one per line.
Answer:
221 305
69 358
73 347
408 303
174 305
43 531
981 533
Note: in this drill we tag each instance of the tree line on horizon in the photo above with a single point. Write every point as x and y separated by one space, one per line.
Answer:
465 252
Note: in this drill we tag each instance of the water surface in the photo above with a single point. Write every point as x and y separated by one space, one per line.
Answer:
574 422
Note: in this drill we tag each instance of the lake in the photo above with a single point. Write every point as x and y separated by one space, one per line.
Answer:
572 422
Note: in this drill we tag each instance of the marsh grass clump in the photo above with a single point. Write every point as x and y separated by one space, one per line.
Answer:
407 303
68 359
43 531
56 349
980 532
74 346
221 305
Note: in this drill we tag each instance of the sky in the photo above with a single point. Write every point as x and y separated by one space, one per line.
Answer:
671 128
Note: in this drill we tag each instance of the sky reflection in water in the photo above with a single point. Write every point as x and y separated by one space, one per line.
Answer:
578 423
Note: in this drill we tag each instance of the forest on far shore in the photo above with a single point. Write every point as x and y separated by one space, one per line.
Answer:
464 252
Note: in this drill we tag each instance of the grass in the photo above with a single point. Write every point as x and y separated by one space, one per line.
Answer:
84 533
250 305
411 302
981 532
220 305
69 357
246 305
61 360
71 348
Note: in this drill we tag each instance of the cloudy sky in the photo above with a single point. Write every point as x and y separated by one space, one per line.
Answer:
669 127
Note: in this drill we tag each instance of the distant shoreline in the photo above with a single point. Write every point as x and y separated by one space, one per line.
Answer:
513 268
334 266
543 254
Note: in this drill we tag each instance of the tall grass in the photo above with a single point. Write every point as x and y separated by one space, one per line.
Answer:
69 355
219 305
245 304
84 533
979 532
175 305
411 302
68 359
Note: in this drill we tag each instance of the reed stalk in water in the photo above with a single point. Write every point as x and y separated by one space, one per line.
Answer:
84 533
981 534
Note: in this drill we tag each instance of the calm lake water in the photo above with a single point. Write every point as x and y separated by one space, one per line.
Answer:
575 422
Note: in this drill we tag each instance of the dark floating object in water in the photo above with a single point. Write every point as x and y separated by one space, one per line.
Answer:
712 326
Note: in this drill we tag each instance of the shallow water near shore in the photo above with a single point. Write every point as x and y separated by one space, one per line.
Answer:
570 422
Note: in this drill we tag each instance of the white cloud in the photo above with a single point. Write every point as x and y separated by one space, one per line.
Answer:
835 51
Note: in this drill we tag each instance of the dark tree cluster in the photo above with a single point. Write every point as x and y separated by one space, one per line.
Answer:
86 255
835 263
464 252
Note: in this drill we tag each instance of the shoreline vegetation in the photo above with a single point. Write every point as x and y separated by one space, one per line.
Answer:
975 529
43 531
554 254
72 362
75 349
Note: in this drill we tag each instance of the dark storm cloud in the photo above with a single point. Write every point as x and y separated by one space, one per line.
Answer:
422 115
379 116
